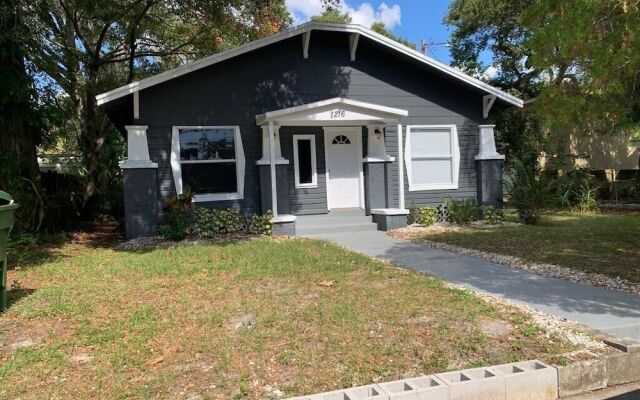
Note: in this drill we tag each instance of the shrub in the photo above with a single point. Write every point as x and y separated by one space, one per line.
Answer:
529 193
211 222
422 215
492 215
260 224
177 208
577 191
463 211
177 228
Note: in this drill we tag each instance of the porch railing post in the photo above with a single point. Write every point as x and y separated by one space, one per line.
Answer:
272 168
400 169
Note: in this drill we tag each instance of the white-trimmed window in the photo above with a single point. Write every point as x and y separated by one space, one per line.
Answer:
209 160
304 161
432 157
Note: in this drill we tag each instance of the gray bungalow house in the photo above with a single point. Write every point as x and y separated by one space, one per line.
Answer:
316 118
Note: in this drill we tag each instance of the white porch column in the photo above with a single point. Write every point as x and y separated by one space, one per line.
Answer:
137 148
266 152
488 144
272 169
376 150
400 169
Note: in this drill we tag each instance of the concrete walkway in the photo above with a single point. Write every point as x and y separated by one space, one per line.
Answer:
609 311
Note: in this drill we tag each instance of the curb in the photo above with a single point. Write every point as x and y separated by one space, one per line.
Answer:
525 380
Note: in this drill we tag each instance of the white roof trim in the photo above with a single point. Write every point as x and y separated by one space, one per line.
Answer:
383 112
307 27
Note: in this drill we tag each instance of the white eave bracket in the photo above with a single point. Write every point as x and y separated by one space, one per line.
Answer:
306 38
353 44
487 103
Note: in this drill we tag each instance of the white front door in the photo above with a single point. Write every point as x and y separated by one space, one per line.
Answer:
344 162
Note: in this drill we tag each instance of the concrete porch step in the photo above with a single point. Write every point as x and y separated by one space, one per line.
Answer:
308 230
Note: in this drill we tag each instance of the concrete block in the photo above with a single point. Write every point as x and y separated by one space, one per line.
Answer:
399 390
623 368
582 376
430 388
475 384
369 392
628 345
529 380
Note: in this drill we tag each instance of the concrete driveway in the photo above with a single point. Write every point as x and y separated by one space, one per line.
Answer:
612 312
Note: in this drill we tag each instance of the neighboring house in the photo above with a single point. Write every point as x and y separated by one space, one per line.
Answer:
312 119
610 156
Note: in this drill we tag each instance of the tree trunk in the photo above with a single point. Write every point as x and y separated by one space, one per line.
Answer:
92 140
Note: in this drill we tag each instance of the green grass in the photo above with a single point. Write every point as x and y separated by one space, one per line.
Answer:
599 243
160 323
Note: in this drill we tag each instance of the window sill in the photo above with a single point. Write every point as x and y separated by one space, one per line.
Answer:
307 186
418 188
203 198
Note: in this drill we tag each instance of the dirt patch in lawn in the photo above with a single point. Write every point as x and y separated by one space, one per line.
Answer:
263 318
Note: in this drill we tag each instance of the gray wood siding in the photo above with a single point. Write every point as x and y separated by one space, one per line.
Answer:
275 77
305 200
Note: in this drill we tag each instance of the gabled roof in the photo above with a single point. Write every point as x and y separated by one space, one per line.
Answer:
304 28
356 111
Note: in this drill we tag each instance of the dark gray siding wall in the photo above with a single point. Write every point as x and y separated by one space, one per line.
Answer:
305 200
275 77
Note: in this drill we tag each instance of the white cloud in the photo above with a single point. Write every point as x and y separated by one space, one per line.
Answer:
364 14
491 72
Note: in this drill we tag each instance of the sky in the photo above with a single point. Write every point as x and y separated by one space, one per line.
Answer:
414 20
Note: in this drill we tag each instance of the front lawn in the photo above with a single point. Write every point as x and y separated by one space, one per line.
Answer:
239 320
602 243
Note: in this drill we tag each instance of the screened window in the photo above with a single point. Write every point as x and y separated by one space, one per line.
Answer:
432 157
304 159
209 161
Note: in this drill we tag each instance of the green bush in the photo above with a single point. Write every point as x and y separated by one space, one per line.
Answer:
577 191
463 211
422 215
177 207
260 224
211 222
177 228
492 215
529 193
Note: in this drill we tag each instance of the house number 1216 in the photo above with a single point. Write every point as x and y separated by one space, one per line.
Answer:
337 114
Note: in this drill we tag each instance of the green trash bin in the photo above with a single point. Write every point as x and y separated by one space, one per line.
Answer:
7 211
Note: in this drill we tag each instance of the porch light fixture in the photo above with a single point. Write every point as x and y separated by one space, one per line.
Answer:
378 133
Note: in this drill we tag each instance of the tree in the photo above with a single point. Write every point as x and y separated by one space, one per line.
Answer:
382 29
494 26
88 47
588 52
332 16
20 118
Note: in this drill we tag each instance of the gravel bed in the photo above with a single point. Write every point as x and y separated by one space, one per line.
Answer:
414 233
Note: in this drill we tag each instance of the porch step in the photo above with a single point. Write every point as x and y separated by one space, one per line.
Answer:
335 228
334 222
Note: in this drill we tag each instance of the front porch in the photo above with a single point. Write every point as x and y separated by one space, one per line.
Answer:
328 156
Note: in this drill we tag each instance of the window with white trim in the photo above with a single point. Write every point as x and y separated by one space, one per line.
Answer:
209 160
304 161
432 157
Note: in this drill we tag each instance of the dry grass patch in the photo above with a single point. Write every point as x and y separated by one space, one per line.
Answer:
242 320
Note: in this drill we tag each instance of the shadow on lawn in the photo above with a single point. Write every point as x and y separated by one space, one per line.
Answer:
49 248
